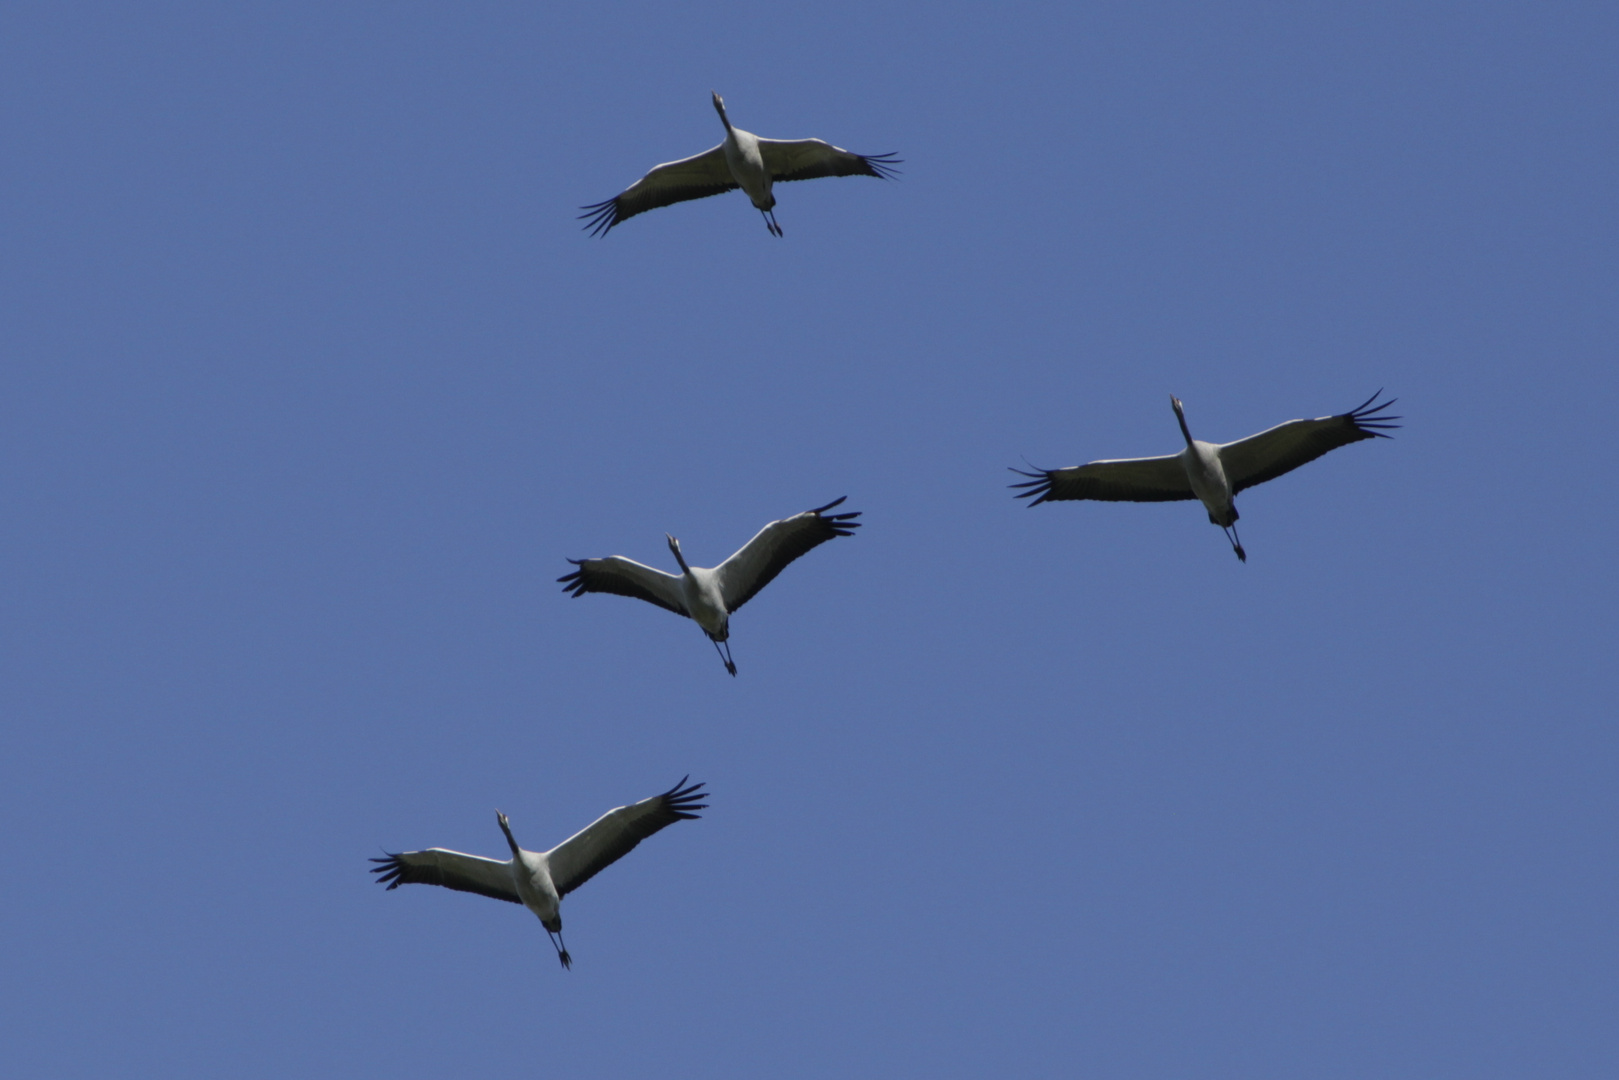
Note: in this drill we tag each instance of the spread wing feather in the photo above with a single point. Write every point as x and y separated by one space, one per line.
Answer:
626 577
758 561
1285 447
696 177
451 869
1154 479
613 835
811 159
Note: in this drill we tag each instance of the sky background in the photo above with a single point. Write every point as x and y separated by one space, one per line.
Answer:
311 382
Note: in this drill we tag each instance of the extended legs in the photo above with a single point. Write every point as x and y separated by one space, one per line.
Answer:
562 950
1236 545
725 656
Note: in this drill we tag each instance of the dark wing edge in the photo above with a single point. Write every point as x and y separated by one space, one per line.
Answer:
1039 485
591 579
599 218
805 539
395 870
1364 421
1050 485
683 801
679 803
849 164
1367 420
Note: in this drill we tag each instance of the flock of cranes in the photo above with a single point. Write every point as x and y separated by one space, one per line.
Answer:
1213 473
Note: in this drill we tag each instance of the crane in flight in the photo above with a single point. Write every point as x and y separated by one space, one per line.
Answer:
743 161
540 879
1211 472
711 596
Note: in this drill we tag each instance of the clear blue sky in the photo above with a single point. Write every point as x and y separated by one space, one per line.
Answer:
311 382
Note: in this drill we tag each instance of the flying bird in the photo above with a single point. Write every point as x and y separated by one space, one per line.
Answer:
540 879
743 160
712 596
1211 472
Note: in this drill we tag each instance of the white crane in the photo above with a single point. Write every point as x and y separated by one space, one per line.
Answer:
1212 472
712 596
540 879
743 161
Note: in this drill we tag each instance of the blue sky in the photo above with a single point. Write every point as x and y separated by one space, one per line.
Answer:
312 383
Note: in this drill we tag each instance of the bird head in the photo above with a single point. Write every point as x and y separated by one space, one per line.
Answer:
674 546
719 107
506 827
1180 417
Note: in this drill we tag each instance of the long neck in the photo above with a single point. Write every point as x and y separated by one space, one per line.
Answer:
507 829
1181 418
719 107
674 546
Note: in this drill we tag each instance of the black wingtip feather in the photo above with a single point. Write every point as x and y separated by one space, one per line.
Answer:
882 165
1372 419
681 800
574 583
389 872
600 217
1039 485
841 524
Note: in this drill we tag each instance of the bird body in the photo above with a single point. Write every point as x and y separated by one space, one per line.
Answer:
531 876
700 591
746 160
540 879
743 160
711 596
1212 473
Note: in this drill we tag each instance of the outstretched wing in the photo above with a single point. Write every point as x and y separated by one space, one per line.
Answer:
613 835
451 869
626 577
1285 447
810 159
1148 479
696 177
777 544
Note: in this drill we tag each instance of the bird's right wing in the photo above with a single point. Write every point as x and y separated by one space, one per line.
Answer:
1148 479
1285 447
613 835
757 562
811 159
696 177
626 577
451 869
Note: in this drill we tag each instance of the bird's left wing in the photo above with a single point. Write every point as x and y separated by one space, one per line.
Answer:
810 159
613 835
758 561
1285 447
625 577
1151 479
451 869
696 177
